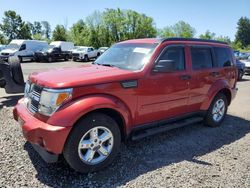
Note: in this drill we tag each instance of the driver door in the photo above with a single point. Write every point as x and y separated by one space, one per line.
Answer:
164 92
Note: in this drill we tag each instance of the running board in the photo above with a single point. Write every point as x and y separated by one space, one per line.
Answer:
162 128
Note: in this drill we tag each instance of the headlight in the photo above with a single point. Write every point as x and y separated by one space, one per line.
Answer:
52 99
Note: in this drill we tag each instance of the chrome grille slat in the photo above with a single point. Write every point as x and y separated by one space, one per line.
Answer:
34 96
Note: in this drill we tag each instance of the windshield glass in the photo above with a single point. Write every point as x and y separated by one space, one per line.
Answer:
82 49
47 48
129 56
13 46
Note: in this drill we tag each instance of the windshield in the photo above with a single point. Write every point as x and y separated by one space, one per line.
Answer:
129 56
47 48
82 49
13 46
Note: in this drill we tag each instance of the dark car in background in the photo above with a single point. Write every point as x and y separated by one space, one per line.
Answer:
241 69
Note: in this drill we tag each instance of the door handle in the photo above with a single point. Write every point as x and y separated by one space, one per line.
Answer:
185 77
214 74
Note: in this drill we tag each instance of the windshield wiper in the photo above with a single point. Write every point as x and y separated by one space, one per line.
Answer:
104 64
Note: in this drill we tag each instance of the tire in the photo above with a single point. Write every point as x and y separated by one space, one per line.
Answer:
86 58
240 74
17 73
74 156
50 59
210 119
20 59
98 54
66 57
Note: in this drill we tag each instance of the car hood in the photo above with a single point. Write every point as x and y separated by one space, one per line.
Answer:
80 76
247 63
10 51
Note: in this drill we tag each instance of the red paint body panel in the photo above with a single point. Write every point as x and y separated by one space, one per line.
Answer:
51 137
158 96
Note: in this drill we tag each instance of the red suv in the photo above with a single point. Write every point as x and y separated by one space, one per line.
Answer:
135 89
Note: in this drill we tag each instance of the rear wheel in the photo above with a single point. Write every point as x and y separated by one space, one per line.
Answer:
93 143
217 111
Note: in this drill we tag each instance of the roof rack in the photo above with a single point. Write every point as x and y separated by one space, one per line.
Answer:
192 39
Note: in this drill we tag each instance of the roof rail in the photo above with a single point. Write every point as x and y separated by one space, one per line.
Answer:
192 39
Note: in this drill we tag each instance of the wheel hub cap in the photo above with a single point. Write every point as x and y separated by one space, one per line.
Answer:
96 145
218 110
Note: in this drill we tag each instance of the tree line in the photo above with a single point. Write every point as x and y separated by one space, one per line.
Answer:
110 26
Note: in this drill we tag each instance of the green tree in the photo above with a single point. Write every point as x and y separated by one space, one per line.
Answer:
79 33
243 31
207 35
25 32
46 29
37 28
223 39
3 40
13 27
180 29
60 33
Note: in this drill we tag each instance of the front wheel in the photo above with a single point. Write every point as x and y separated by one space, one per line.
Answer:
93 143
217 111
86 58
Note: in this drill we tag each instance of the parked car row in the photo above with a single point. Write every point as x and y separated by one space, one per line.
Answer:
35 50
241 55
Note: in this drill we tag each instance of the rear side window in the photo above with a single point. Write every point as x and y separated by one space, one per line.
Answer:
176 57
222 57
201 58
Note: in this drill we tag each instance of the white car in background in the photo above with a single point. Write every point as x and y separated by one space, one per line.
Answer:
103 49
2 47
85 53
23 49
247 66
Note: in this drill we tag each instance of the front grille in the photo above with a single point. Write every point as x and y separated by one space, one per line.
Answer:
34 98
4 53
75 55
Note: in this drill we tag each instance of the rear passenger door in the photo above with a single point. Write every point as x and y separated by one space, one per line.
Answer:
203 75
224 64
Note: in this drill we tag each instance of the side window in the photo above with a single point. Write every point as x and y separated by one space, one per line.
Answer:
201 58
23 47
222 57
174 58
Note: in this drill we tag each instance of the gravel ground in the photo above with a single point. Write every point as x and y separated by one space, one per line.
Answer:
193 156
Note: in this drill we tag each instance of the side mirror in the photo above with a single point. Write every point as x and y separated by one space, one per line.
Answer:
164 66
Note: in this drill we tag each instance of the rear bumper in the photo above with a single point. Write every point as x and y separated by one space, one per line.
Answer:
49 137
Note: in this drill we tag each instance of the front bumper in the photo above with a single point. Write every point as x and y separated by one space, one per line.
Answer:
41 57
49 137
4 57
247 70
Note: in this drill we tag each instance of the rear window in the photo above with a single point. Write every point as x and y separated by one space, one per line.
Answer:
223 57
201 58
